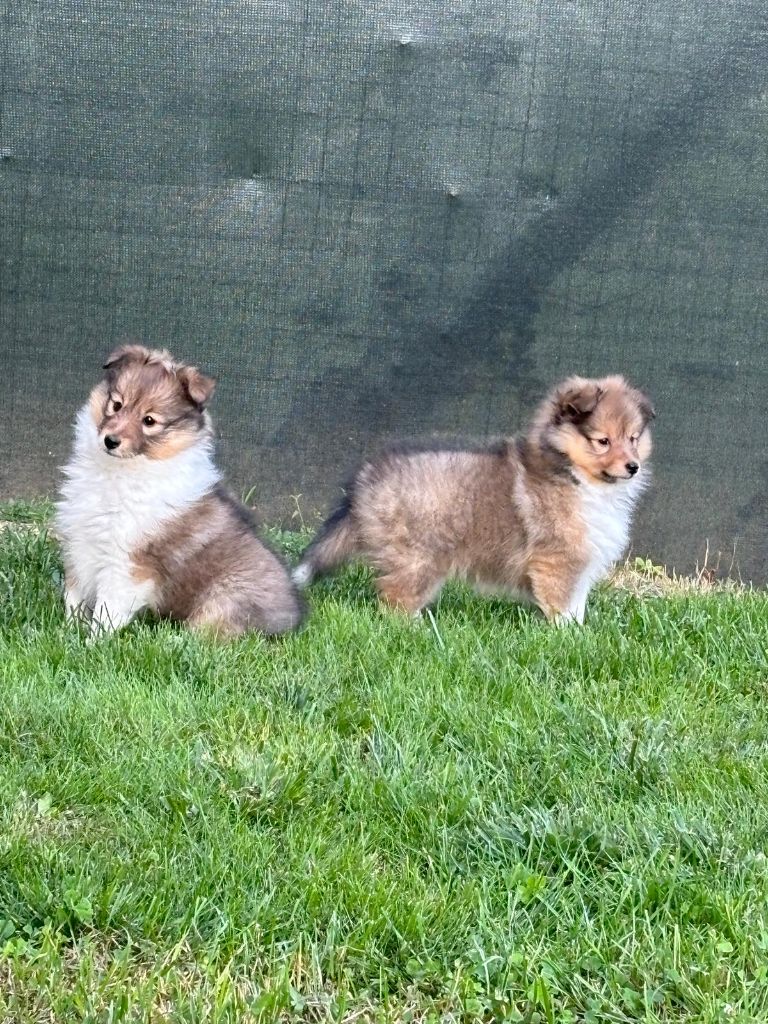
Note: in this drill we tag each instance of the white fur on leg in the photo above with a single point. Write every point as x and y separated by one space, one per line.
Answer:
577 606
570 615
75 603
116 606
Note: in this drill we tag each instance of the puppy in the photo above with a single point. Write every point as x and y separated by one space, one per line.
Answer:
541 517
143 518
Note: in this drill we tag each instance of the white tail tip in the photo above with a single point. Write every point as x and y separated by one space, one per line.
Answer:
302 575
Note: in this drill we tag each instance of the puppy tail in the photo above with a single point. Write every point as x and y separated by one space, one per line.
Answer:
335 544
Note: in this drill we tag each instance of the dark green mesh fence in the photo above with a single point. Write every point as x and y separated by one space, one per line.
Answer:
388 218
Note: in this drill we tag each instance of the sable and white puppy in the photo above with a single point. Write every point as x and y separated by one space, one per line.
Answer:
143 518
542 517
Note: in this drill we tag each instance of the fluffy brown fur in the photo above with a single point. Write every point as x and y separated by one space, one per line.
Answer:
210 570
542 517
144 519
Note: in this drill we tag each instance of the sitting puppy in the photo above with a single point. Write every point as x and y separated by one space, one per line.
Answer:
143 518
542 517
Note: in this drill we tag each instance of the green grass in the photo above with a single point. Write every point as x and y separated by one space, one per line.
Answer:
479 818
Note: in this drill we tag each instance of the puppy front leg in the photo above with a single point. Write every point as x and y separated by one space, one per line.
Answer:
116 605
577 603
560 589
108 617
75 599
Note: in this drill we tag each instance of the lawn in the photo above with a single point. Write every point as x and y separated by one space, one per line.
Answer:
474 817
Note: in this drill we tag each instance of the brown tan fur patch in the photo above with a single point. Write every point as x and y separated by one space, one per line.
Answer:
211 571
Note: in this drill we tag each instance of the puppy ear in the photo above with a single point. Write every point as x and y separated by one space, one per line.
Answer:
645 406
127 353
197 385
576 399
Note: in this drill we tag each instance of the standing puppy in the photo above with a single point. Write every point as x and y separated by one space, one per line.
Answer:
541 517
143 518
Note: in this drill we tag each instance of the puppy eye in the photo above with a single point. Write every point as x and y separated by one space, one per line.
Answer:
633 439
149 421
116 406
603 441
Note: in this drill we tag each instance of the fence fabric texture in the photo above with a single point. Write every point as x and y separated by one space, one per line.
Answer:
379 219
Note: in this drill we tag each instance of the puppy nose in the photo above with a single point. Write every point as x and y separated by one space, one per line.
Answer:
112 442
632 468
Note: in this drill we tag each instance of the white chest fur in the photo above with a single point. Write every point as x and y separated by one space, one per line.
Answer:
110 506
607 511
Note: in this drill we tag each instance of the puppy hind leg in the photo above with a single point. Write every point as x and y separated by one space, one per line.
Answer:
226 616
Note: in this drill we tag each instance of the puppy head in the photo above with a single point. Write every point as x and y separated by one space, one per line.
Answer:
601 426
148 404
